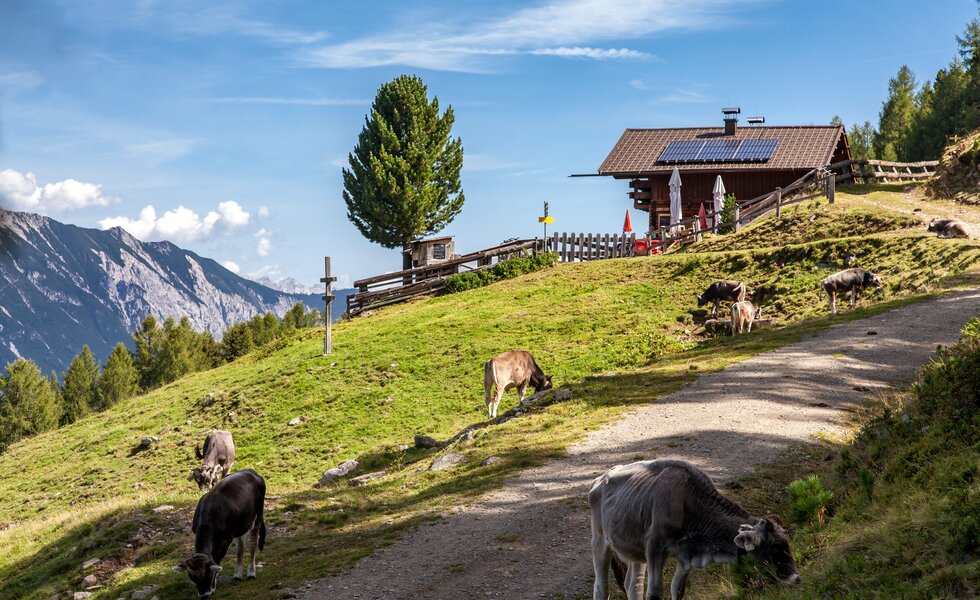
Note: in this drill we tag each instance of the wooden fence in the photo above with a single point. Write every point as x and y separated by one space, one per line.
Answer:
573 247
398 286
883 170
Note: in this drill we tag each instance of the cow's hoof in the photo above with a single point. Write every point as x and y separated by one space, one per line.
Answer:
251 577
237 578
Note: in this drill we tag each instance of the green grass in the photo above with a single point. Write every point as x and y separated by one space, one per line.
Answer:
82 491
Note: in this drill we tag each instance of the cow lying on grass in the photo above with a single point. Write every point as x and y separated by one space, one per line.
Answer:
848 280
949 228
218 457
230 510
733 291
646 511
515 368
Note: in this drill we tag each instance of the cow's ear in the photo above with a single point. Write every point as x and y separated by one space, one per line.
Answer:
180 567
773 519
215 568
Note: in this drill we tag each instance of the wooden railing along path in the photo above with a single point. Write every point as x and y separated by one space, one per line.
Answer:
572 247
398 286
883 170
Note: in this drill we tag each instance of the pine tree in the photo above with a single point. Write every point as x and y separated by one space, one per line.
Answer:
79 394
237 341
28 405
120 379
898 113
862 140
149 346
403 182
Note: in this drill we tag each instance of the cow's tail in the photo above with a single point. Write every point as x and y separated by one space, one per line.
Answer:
489 379
619 571
741 291
262 535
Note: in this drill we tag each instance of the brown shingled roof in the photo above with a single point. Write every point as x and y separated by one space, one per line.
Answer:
804 147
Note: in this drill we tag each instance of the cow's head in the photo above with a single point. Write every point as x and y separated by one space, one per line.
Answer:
543 384
872 279
767 542
205 476
934 225
202 571
702 300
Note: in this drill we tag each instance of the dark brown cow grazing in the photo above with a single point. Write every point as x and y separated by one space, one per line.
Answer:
949 228
733 291
218 457
515 368
646 511
230 510
848 280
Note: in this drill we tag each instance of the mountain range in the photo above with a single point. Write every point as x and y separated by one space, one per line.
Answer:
62 286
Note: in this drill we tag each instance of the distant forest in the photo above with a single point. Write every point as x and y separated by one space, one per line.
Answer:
31 403
917 121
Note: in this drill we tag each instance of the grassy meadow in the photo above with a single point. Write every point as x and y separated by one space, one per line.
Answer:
86 491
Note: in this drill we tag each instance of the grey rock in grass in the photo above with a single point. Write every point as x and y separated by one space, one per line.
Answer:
81 595
163 508
563 394
367 477
148 441
297 421
490 460
341 470
91 563
447 460
145 592
90 580
424 441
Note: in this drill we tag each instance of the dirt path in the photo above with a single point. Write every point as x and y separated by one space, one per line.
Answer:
531 538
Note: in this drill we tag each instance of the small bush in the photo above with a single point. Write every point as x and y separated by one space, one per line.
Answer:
808 500
506 269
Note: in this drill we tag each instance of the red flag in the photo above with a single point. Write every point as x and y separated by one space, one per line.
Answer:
627 225
704 221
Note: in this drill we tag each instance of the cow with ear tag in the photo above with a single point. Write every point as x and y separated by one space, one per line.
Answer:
230 511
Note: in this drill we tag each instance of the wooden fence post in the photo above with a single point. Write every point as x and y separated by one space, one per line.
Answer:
328 310
697 229
663 239
832 188
736 218
779 201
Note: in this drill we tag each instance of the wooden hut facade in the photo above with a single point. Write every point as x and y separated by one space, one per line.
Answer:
647 157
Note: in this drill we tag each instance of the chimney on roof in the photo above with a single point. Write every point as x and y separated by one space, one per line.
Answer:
731 120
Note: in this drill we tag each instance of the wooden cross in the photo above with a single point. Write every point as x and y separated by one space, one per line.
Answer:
328 299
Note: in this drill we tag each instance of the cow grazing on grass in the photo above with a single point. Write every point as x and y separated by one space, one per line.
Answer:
733 291
515 368
232 509
218 457
848 280
646 511
949 228
743 313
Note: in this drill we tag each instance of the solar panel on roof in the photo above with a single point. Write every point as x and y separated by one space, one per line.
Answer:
727 150
687 151
755 150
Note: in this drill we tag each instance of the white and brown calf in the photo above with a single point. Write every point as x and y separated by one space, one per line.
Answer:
513 369
217 459
743 314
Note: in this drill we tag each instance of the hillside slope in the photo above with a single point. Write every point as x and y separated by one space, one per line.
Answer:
413 368
63 286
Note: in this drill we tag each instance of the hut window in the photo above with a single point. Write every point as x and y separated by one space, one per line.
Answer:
439 251
664 220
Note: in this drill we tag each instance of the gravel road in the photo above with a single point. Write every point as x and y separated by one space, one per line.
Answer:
530 539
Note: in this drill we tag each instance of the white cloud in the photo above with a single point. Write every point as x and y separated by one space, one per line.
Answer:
270 271
232 214
263 212
181 224
213 21
640 85
264 245
231 266
563 28
483 162
20 191
683 97
161 151
15 82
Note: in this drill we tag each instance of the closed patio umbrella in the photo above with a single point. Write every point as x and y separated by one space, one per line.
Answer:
719 197
675 198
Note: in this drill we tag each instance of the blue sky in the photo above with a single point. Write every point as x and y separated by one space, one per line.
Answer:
232 120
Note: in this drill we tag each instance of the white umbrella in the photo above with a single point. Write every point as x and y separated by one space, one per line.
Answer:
675 198
719 196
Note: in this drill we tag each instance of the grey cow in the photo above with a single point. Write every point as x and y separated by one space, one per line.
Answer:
848 280
218 457
725 289
646 511
949 228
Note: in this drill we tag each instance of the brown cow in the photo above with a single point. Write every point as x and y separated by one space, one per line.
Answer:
722 290
949 228
848 280
515 368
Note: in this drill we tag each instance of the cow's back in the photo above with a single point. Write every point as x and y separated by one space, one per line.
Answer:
233 503
512 367
219 447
